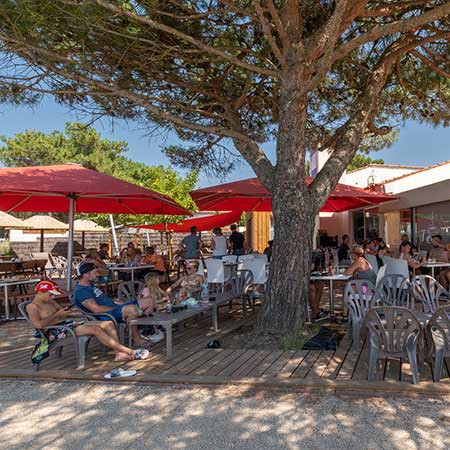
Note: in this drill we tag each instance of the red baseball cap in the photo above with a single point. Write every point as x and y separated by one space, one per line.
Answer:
48 286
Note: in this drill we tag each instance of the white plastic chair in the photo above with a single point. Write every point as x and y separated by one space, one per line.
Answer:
372 260
262 257
246 257
397 267
258 268
380 275
230 258
217 273
358 295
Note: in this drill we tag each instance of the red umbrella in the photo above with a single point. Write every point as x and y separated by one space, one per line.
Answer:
50 189
202 223
251 195
72 188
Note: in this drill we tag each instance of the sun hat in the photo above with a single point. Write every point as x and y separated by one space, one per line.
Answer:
48 286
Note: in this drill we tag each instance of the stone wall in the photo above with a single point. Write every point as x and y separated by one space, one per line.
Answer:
58 245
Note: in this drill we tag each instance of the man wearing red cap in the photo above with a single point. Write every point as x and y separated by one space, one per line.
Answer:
45 311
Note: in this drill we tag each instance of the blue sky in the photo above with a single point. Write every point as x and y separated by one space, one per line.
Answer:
418 144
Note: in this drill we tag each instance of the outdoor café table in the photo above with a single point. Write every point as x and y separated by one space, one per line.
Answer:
217 299
167 320
434 265
331 279
6 283
118 268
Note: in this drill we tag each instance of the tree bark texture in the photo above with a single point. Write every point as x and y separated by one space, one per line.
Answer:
294 214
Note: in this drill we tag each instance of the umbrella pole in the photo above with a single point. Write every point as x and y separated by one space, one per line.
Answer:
70 243
82 240
42 241
114 235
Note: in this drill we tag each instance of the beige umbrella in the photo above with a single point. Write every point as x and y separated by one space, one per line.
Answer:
45 223
87 226
10 222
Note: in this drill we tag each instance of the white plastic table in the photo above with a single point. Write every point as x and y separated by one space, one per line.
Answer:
434 265
331 279
8 282
131 269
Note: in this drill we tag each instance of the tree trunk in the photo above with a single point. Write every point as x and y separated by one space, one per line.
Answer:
284 308
293 210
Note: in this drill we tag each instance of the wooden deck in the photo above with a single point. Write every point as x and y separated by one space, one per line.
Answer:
192 363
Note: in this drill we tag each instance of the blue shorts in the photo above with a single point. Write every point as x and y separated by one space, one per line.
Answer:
117 312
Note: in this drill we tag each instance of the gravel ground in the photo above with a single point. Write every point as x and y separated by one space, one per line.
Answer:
59 416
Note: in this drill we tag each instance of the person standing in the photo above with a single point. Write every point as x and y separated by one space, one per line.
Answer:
236 242
191 245
218 244
344 249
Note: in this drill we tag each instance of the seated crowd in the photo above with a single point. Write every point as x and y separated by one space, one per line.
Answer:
352 260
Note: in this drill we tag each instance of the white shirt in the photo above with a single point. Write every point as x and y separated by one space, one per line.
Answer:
220 248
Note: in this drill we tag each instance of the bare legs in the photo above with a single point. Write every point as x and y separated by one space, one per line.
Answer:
315 294
106 333
129 312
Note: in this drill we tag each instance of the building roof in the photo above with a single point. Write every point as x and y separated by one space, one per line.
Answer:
420 170
387 166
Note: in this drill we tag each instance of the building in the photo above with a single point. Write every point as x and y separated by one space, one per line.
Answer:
421 210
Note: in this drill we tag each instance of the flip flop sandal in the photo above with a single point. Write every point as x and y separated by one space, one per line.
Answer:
141 353
120 373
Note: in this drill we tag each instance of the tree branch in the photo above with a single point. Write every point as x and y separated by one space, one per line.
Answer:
268 33
398 26
430 64
393 9
279 26
350 135
180 35
138 100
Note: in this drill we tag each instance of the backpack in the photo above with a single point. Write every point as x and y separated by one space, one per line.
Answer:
41 350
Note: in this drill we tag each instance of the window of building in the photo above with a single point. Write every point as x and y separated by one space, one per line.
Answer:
432 219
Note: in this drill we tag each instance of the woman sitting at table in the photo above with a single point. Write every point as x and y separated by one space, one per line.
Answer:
93 257
190 285
360 266
406 255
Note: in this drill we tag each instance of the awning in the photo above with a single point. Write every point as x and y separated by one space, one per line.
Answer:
202 223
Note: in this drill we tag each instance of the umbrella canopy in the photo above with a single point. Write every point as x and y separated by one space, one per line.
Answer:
48 223
8 221
202 223
88 226
49 189
70 188
251 195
